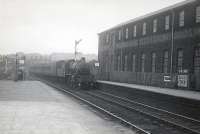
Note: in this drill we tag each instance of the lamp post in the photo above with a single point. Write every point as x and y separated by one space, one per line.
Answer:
76 43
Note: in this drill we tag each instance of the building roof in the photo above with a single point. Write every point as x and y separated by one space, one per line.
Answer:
152 13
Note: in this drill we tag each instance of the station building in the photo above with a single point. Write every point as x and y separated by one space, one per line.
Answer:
158 49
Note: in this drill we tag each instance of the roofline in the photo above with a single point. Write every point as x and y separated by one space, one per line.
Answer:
151 14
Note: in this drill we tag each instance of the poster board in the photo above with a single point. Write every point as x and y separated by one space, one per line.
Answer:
183 80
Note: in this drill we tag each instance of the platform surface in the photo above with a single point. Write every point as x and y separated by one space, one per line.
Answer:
194 95
31 107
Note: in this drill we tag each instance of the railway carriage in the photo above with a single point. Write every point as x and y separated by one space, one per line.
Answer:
74 73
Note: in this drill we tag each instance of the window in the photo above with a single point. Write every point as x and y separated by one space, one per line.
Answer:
119 34
167 22
153 62
118 63
198 14
179 60
107 38
126 63
144 28
133 62
197 60
155 25
142 62
126 33
181 18
165 61
135 31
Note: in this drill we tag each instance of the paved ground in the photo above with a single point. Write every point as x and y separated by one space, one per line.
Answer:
31 107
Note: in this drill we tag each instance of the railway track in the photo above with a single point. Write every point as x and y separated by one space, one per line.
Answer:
142 118
179 121
81 97
178 105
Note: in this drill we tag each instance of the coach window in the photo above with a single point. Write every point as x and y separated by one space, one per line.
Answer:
167 22
142 62
179 59
181 18
197 60
153 62
135 31
119 34
155 21
165 61
133 62
126 33
144 28
198 14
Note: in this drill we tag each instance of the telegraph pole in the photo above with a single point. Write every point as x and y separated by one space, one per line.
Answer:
76 44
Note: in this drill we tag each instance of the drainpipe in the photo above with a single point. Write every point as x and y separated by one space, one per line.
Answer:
172 43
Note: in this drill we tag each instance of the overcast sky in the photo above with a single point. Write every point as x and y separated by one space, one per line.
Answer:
47 26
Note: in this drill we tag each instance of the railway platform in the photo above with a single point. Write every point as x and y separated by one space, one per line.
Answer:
32 107
186 94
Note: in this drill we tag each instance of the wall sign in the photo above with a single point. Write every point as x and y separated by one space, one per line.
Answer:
183 80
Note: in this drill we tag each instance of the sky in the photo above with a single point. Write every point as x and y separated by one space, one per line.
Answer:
47 26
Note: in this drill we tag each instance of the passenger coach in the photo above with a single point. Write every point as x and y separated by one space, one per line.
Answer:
159 49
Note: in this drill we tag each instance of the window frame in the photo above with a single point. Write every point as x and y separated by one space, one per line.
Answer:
126 33
135 31
153 62
197 16
143 56
165 61
133 62
119 35
155 25
197 60
167 22
126 63
144 28
180 59
182 18
107 38
118 62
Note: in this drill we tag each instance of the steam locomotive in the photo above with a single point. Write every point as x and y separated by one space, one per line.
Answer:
76 74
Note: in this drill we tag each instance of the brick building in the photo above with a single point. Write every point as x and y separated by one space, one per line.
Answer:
160 49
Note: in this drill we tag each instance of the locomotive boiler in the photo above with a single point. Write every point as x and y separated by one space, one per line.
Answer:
80 74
